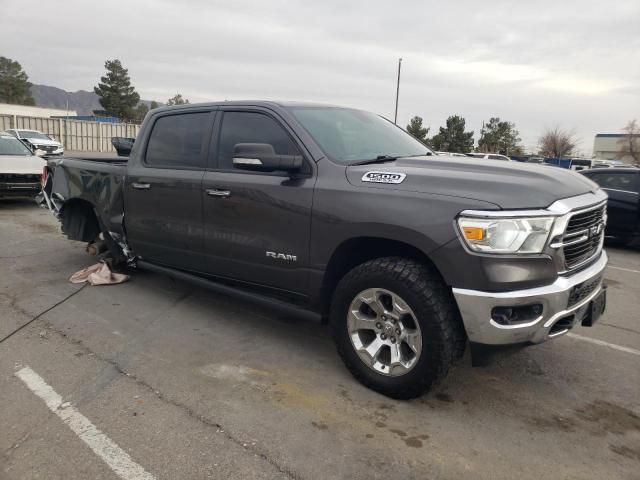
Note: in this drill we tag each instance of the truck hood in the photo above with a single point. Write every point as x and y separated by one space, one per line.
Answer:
21 164
509 185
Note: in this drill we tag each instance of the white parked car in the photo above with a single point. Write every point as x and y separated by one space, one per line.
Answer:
20 168
489 156
451 154
38 140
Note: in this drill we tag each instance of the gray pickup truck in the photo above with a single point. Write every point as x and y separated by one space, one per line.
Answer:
408 255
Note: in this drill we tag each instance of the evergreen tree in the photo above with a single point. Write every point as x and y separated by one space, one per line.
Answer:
453 137
153 105
177 100
140 112
499 136
416 129
14 83
117 96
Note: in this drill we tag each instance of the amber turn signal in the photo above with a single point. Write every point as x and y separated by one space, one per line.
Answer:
473 233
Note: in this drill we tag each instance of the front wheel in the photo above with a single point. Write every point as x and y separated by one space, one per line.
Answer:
395 326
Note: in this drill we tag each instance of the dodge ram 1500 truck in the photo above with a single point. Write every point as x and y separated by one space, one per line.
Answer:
408 255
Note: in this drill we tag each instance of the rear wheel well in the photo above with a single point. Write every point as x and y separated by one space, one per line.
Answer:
79 220
356 251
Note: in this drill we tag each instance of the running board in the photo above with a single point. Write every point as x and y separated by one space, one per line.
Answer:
238 293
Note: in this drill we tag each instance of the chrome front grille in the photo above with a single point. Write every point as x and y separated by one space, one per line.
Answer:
582 238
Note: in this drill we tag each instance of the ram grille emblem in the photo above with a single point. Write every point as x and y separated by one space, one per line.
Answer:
595 230
383 177
282 256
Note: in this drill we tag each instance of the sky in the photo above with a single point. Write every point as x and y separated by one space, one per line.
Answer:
540 64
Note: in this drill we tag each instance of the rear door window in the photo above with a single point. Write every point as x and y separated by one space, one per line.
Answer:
179 141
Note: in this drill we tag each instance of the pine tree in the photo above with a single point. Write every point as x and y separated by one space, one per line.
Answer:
453 138
14 83
499 136
177 100
140 112
117 96
416 129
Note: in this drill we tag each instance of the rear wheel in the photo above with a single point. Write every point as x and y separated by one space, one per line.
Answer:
395 326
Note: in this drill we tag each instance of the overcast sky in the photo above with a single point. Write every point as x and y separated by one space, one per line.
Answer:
573 63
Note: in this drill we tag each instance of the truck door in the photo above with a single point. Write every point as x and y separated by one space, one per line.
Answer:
257 224
163 199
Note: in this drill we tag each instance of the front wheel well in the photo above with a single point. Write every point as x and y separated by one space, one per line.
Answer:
356 251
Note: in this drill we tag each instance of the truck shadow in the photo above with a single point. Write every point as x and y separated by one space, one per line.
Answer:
301 350
17 203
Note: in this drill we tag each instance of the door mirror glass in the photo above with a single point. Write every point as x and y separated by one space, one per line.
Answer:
263 157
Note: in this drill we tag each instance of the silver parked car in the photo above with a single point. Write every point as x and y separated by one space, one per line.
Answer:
20 169
38 141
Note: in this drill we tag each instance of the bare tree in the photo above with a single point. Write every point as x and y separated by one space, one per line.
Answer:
630 143
557 143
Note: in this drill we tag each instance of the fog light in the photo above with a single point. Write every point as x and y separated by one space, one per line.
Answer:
516 314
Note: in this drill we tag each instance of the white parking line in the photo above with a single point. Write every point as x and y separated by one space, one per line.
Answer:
119 461
624 269
620 348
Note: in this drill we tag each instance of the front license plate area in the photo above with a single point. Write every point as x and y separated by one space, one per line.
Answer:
597 307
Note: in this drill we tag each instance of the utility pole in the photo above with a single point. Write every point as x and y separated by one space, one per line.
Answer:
395 118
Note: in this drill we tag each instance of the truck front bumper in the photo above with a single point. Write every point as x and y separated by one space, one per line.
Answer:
564 304
19 189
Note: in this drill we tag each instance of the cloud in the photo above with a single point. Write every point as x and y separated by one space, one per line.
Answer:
573 63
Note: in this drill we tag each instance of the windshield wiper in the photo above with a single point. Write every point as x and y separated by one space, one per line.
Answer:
378 159
388 158
428 154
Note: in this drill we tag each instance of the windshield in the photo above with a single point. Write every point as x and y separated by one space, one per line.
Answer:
32 134
349 136
12 146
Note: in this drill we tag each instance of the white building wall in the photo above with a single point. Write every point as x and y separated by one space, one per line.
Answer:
608 148
26 111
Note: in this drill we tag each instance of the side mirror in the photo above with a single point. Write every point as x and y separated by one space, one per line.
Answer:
39 153
123 145
262 157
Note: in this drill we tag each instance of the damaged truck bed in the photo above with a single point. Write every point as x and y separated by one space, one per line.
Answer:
87 196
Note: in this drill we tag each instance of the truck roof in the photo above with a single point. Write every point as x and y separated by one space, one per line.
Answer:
253 103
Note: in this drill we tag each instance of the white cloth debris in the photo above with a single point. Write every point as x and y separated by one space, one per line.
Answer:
98 274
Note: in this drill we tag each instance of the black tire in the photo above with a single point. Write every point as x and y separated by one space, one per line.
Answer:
443 337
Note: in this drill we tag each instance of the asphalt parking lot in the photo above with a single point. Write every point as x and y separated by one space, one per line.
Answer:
185 383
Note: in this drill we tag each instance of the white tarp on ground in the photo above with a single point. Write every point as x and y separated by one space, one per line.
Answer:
98 274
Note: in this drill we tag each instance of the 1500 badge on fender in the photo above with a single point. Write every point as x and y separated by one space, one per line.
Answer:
383 177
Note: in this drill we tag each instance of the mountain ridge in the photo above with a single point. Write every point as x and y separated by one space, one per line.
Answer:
82 101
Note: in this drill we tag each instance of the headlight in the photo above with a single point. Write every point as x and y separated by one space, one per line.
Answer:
505 235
